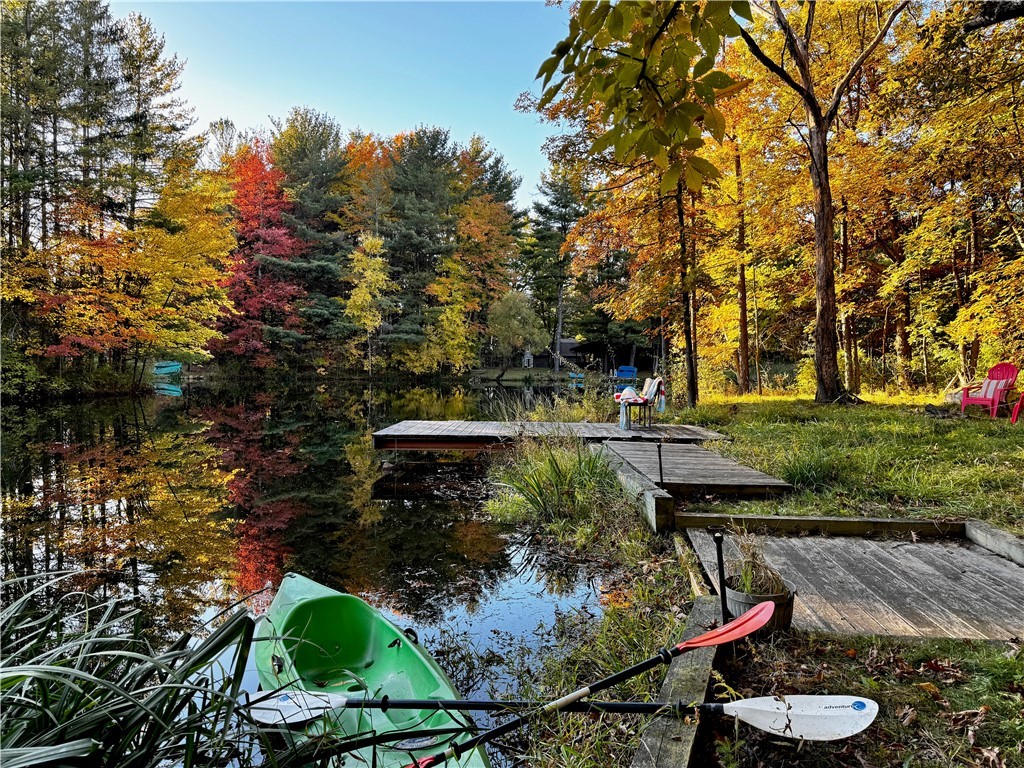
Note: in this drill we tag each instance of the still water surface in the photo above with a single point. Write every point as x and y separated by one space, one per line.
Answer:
184 504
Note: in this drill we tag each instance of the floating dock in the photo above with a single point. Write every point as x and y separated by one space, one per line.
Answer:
494 435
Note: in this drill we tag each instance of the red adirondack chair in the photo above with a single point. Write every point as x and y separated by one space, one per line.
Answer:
992 392
1016 409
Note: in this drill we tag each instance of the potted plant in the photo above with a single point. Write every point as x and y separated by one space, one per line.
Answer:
753 580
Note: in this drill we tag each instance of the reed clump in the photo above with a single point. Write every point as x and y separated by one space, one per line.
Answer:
546 481
82 685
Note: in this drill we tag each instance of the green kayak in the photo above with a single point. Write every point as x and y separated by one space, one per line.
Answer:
316 642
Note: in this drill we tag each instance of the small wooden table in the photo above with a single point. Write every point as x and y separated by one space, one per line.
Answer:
646 414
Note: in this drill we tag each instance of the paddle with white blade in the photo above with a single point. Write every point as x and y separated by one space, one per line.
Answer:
811 718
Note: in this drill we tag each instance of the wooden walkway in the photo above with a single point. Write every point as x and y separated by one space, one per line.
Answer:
853 585
687 470
484 435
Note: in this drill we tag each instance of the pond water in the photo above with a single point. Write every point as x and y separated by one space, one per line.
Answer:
184 504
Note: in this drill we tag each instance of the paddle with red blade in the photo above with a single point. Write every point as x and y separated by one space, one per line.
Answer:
737 629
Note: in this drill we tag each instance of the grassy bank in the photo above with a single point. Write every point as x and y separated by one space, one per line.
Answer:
569 494
883 459
943 703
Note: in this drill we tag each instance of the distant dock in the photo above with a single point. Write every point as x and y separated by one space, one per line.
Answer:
495 435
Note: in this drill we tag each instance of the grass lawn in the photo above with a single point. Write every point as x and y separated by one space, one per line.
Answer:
878 459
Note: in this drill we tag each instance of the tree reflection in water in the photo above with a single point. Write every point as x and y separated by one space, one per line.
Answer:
191 502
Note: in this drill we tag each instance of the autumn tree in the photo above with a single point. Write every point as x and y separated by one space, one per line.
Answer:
265 322
366 303
638 63
514 325
367 185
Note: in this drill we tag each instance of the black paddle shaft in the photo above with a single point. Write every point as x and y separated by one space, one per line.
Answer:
489 705
664 656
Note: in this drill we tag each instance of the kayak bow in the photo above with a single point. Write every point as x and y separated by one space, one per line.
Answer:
320 643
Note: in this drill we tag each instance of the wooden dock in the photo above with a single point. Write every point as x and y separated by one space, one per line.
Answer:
494 435
689 470
858 586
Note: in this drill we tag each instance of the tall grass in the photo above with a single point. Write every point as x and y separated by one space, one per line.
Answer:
80 681
575 498
550 480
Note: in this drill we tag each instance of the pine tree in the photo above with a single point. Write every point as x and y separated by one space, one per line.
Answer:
308 149
421 231
154 121
547 266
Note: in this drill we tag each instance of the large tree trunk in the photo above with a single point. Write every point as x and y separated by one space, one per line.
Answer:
826 342
690 353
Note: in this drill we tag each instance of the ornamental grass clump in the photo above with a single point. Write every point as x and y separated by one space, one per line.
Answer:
550 481
751 572
82 685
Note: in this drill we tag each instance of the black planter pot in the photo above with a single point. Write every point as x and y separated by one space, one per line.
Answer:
741 602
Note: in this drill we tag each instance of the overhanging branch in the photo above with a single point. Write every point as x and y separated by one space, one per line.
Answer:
844 83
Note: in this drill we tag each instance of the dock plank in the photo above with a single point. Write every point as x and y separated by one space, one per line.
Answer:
689 469
853 585
456 435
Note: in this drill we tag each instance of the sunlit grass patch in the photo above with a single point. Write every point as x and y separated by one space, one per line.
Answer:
873 460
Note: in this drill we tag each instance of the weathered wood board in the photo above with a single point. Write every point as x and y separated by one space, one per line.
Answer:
853 585
414 435
668 741
690 469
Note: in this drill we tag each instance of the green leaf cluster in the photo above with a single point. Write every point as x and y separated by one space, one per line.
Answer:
650 67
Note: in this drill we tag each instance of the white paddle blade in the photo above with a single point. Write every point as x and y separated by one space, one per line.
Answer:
815 718
295 706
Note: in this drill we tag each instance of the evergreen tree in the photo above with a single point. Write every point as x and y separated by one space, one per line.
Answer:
595 324
545 264
421 229
154 121
308 149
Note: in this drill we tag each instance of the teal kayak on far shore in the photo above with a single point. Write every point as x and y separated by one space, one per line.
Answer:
316 640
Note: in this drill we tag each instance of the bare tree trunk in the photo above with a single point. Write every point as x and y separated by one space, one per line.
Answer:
556 347
903 351
757 333
690 353
743 351
885 333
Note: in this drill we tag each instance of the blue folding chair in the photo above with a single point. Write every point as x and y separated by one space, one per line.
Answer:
625 376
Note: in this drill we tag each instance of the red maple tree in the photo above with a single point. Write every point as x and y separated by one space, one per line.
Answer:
266 300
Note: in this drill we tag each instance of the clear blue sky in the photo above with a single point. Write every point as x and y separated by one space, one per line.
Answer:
378 66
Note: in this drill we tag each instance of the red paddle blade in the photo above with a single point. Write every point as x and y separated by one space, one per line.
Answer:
738 628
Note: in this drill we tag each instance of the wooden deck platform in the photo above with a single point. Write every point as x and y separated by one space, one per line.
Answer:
486 435
853 585
687 470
